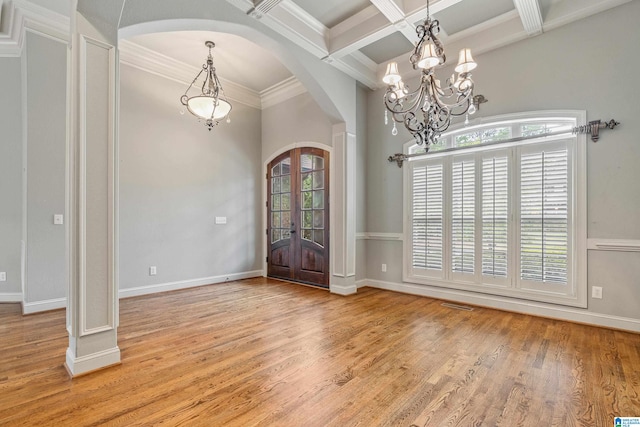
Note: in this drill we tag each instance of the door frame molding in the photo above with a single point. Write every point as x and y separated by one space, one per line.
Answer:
265 164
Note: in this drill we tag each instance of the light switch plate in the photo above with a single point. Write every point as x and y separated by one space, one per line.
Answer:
58 219
221 220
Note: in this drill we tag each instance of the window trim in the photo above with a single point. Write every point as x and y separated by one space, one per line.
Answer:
577 265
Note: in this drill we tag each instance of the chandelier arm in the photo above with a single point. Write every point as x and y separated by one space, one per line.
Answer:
191 85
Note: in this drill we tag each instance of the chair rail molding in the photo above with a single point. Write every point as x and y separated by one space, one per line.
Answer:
619 245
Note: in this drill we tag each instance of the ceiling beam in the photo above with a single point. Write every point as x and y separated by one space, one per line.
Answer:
530 15
262 7
396 16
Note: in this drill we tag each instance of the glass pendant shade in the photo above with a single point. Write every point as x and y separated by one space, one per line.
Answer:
207 107
429 57
392 76
465 61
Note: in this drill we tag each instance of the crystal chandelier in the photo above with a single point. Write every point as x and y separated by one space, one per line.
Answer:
426 112
211 104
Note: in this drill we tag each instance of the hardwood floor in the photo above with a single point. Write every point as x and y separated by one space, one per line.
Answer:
269 353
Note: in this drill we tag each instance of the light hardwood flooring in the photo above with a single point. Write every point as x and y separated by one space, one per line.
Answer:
269 353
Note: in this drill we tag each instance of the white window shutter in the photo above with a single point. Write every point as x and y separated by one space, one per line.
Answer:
495 216
544 216
463 216
427 216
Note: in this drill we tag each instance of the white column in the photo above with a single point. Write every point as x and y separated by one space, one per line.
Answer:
343 225
92 307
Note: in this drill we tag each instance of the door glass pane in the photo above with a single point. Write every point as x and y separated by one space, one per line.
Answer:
318 219
275 171
306 219
286 234
318 237
286 201
318 163
318 180
286 166
285 186
286 219
318 199
307 234
307 180
275 219
306 163
306 200
275 185
275 202
275 235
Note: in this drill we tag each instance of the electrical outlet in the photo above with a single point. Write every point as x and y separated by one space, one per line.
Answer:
3 276
58 219
384 268
596 292
152 270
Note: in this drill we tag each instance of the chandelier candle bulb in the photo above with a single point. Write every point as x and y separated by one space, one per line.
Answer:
465 62
429 57
392 76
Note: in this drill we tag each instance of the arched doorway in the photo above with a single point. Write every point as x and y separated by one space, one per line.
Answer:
298 216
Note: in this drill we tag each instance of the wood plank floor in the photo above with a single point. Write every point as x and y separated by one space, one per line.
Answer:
268 353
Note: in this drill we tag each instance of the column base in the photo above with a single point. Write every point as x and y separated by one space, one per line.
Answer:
83 365
343 285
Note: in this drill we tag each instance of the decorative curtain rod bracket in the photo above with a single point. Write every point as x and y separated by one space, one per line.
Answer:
593 129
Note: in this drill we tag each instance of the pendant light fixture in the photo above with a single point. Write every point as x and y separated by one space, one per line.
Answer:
210 104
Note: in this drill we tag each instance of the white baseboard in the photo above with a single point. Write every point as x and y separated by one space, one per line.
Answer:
46 305
183 284
361 283
342 290
85 364
508 304
10 297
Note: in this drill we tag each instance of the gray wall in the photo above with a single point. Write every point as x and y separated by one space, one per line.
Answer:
46 277
567 68
10 174
175 178
298 119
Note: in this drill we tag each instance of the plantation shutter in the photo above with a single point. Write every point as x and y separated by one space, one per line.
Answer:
495 215
463 216
544 216
427 216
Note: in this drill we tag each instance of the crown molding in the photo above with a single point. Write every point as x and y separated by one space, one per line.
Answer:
282 91
156 63
19 15
150 61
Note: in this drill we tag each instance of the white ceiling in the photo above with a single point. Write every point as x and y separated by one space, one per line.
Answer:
360 36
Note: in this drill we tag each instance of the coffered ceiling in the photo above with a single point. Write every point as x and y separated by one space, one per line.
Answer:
360 36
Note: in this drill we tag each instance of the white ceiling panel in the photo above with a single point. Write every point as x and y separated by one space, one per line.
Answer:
332 12
469 13
388 48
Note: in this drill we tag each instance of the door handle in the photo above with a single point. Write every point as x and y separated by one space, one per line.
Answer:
293 228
